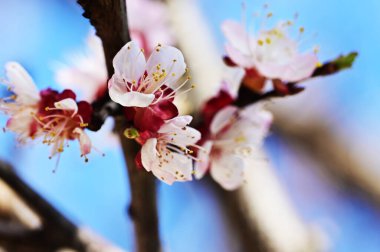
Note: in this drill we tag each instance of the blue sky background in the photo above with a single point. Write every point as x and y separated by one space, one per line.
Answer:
38 33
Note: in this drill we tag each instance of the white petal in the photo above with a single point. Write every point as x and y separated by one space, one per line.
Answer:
67 104
180 134
179 166
240 59
222 119
129 63
149 154
236 36
300 68
121 95
84 141
22 84
166 59
257 114
21 122
228 171
201 166
181 121
175 123
164 176
232 79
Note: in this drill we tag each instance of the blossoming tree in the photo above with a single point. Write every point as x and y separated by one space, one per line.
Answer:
141 81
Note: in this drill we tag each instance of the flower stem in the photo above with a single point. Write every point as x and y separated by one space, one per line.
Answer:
109 17
143 207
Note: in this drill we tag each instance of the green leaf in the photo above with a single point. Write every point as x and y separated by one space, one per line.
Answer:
336 65
345 61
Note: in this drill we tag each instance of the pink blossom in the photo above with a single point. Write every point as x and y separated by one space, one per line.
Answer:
271 52
55 117
140 83
167 154
234 136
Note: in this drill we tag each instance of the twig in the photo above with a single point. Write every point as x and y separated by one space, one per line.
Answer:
57 231
143 208
246 96
109 17
110 21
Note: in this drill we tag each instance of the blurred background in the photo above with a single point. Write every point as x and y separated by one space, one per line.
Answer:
322 152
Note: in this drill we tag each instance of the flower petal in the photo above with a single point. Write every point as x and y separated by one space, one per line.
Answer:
179 166
129 63
299 68
236 36
232 79
165 66
180 121
67 104
240 59
222 119
84 141
22 84
201 166
228 171
120 95
149 154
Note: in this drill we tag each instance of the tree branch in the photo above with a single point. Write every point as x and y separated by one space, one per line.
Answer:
143 208
247 96
109 17
110 21
57 231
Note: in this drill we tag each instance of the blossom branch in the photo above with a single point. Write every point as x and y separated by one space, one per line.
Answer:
247 96
143 208
110 21
56 232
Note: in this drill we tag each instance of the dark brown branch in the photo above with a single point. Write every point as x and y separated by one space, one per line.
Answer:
143 208
109 17
110 21
247 96
57 231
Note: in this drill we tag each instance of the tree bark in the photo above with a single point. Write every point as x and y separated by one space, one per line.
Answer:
143 206
110 21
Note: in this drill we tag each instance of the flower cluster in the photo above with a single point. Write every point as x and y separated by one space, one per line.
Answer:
89 68
147 89
269 54
54 117
146 82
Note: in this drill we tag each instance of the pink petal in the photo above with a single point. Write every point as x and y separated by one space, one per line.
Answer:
299 68
228 171
84 141
22 83
121 95
67 104
149 154
236 36
222 119
166 59
129 63
240 59
201 166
